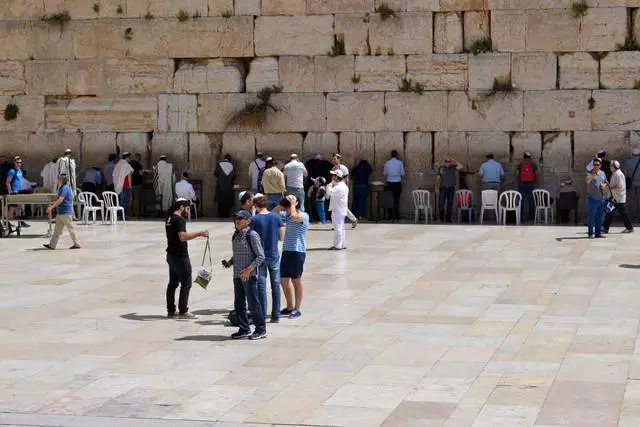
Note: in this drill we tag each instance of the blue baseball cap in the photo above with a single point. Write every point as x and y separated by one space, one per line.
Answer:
243 215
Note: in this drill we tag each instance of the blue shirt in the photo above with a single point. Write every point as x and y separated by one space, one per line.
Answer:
66 207
393 170
491 171
15 176
268 227
295 236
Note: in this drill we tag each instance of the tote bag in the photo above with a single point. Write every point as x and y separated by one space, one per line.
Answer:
205 273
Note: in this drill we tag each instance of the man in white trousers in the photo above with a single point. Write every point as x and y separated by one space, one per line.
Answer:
338 205
336 160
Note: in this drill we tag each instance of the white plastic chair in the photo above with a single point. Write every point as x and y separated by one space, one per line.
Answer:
509 201
542 202
422 202
464 202
112 206
90 204
40 210
489 203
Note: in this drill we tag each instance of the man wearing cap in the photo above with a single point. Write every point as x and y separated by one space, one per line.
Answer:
122 181
67 166
295 172
337 164
163 179
338 204
248 255
491 173
178 259
527 175
632 172
446 182
256 169
273 183
13 185
618 188
64 218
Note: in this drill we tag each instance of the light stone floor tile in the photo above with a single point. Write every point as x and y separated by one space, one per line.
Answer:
447 326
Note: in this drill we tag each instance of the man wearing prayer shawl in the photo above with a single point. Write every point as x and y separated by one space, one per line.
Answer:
50 176
163 183
226 176
122 181
67 166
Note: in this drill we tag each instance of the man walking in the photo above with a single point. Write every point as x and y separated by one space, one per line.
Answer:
295 172
270 228
393 173
248 255
122 181
339 201
273 184
256 169
527 175
491 173
596 183
337 164
178 259
618 188
446 186
64 203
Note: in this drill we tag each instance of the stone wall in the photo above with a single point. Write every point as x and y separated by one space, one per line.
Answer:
131 73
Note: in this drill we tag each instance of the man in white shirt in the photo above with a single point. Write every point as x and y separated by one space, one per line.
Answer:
618 188
337 165
256 169
339 193
393 173
163 179
294 173
50 176
184 189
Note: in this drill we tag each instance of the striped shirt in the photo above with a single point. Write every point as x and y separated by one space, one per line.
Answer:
295 236
245 255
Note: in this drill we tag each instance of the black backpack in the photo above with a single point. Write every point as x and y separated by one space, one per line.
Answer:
5 167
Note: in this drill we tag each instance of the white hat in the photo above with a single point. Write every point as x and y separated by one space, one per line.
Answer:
616 164
636 151
337 173
67 151
255 196
294 156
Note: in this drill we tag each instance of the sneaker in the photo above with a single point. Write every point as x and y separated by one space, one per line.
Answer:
241 334
258 335
75 247
48 246
187 315
24 224
354 224
294 314
275 319
600 236
285 312
171 315
627 230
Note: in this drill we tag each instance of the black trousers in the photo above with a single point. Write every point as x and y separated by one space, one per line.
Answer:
446 200
396 190
622 208
179 275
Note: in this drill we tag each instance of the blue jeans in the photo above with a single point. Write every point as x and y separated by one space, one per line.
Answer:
595 216
299 193
273 200
248 292
320 210
446 200
527 197
124 200
359 203
272 267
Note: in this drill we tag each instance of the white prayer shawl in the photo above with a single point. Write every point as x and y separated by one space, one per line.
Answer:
120 172
49 177
67 166
164 187
226 166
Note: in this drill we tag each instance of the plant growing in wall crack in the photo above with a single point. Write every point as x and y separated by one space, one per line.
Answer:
148 16
11 112
96 7
579 9
254 114
480 46
338 47
128 34
407 85
182 15
355 79
630 44
592 103
60 18
385 11
119 10
227 14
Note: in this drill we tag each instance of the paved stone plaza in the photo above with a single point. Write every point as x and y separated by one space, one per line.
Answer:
430 326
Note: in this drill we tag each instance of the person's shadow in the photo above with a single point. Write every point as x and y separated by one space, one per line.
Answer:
210 338
632 266
143 317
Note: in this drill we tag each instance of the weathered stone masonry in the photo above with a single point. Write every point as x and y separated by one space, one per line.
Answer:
129 72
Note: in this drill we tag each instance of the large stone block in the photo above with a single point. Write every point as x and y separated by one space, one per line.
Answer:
208 76
587 144
439 72
284 7
418 152
379 73
423 5
334 74
247 7
395 5
85 77
476 27
325 144
354 31
450 144
616 110
21 10
557 110
370 108
501 111
416 112
448 32
12 78
48 41
487 68
463 4
220 7
263 72
404 34
43 147
279 145
296 73
526 141
15 40
103 114
133 142
138 76
165 8
96 147
602 29
177 113
203 149
299 35
30 115
620 70
242 148
175 145
296 113
556 151
578 71
323 7
14 144
384 142
534 71
552 30
508 30
58 77
479 144
356 146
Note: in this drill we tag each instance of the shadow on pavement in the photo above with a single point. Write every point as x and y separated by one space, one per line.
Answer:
209 312
143 317
560 239
215 338
634 266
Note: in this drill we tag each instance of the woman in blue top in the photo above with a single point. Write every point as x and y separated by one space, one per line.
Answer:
596 182
294 250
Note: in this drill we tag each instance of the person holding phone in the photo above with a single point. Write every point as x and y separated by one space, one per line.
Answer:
596 183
